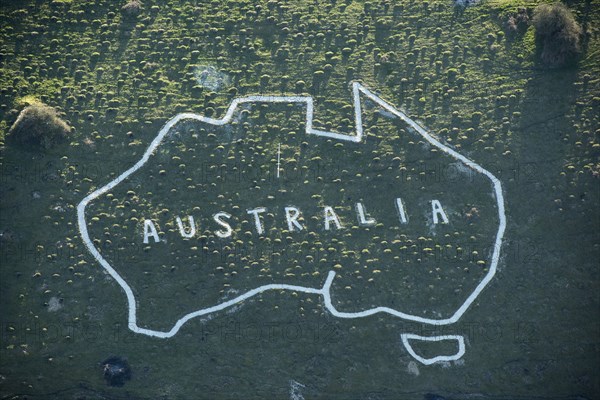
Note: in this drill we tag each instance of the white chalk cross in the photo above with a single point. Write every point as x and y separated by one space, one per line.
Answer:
278 158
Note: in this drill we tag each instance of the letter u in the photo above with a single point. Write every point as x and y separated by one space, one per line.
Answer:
192 230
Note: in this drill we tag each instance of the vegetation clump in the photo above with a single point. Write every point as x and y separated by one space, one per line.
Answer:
39 125
116 371
557 34
517 23
132 8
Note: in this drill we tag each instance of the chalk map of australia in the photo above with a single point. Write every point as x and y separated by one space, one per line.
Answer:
383 218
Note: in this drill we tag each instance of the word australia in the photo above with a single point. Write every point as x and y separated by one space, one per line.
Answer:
330 220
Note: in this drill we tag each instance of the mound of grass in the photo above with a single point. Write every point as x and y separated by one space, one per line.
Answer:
557 34
517 23
39 125
132 8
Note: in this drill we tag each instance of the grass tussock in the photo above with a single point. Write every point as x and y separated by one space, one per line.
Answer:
557 34
39 125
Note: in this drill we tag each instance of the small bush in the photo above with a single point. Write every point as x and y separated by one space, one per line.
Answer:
132 8
517 23
557 34
39 125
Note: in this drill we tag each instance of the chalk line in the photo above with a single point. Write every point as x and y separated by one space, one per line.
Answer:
278 159
406 337
357 90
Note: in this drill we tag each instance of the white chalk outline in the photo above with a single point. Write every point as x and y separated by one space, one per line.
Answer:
428 361
357 90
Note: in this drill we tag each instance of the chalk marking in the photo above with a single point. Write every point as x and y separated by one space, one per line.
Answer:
357 90
278 158
295 392
428 361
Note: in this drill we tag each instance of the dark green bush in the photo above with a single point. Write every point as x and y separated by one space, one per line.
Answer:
132 8
517 23
557 34
39 125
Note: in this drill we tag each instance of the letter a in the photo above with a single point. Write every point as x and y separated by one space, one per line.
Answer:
150 230
331 216
436 209
182 231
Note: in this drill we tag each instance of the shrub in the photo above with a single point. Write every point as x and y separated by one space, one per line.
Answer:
39 125
557 34
132 8
517 23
